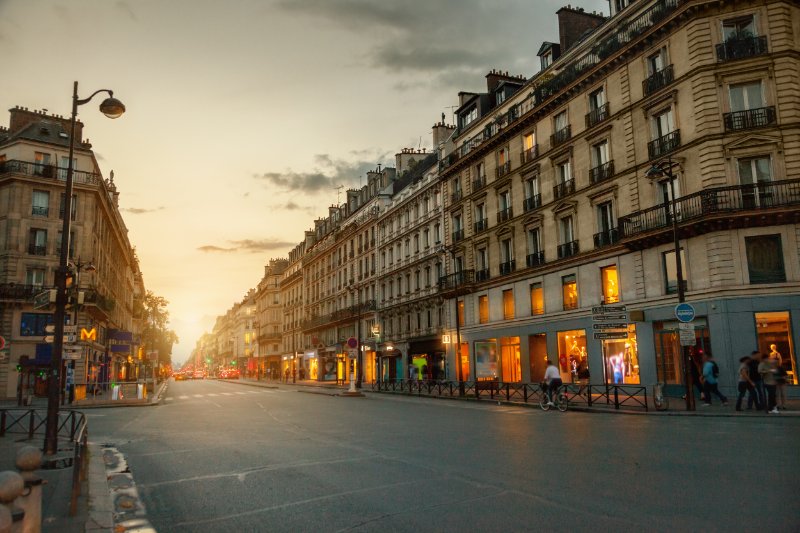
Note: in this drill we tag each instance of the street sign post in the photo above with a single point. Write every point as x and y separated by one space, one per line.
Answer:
604 326
44 299
51 328
66 338
603 309
608 335
686 333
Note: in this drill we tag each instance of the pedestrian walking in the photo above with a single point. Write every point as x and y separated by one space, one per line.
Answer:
780 389
710 375
768 368
745 384
758 383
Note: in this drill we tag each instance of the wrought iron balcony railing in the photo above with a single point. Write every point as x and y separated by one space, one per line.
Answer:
601 172
505 214
508 267
503 169
481 225
568 249
564 188
714 201
658 80
41 211
750 118
598 115
664 145
482 275
456 196
37 250
457 280
561 136
478 183
529 155
458 235
48 172
605 238
535 259
532 202
13 291
741 48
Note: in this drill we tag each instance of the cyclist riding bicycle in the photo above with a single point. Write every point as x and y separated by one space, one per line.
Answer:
552 378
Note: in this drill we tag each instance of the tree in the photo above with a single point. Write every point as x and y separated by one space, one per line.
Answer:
156 334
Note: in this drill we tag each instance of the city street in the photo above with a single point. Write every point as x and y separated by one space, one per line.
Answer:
220 456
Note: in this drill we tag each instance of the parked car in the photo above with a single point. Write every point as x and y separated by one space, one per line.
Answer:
179 376
199 374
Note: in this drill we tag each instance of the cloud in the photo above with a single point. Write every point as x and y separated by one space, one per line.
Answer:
444 43
248 246
142 210
329 173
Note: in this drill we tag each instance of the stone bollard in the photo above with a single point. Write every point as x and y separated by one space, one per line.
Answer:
11 486
29 459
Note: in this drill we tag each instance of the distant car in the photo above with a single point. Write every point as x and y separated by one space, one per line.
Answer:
179 376
199 374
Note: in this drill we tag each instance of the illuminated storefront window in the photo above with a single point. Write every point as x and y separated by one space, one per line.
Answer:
573 360
486 360
775 340
621 359
569 288
668 350
510 359
610 284
483 309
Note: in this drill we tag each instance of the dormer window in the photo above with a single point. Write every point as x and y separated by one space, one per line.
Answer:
500 96
469 116
547 59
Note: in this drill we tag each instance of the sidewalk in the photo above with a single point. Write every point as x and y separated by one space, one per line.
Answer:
677 406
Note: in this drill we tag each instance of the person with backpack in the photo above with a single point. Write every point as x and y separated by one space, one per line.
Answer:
710 376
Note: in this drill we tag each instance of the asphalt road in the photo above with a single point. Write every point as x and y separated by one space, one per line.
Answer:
218 456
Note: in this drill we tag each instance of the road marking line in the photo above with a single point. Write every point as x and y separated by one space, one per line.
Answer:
168 398
199 395
242 393
213 394
228 393
183 397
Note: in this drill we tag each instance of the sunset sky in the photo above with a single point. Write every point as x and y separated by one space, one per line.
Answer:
244 115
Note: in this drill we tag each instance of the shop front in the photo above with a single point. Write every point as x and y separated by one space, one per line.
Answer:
621 359
773 330
427 360
498 359
573 358
390 361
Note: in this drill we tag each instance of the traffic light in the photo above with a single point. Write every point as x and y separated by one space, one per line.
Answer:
233 362
70 278
19 367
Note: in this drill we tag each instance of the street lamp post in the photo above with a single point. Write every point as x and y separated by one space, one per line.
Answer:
656 171
112 108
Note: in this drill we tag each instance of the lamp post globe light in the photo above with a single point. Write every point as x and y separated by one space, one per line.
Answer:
112 108
658 170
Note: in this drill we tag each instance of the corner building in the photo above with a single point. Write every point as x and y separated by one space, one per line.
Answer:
550 209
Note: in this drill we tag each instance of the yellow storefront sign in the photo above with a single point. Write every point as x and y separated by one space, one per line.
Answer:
90 335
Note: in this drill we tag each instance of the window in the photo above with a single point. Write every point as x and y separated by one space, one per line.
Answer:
508 304
437 235
533 197
40 203
738 28
457 222
597 99
775 339
469 116
605 219
502 157
745 96
537 299
42 164
765 259
480 217
567 232
755 174
426 238
504 200
560 121
600 153
35 277
416 244
547 59
671 271
534 241
483 309
506 250
610 284
528 141
37 242
569 290
656 62
482 264
33 324
663 124
480 172
563 172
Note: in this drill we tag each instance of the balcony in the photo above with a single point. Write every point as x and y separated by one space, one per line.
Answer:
456 196
503 169
529 155
750 119
482 275
37 250
741 48
48 172
714 209
535 259
664 145
597 115
481 225
561 136
478 183
568 249
606 238
505 214
658 80
12 291
564 188
601 172
94 301
532 202
508 267
457 284
40 211
458 235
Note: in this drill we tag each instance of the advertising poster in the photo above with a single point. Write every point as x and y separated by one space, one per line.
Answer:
485 360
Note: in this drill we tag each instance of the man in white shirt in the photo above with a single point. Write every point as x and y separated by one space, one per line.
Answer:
552 378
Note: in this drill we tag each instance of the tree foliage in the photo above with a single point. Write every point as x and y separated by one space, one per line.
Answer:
156 333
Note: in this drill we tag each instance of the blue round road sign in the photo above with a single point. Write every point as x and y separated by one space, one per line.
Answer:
684 312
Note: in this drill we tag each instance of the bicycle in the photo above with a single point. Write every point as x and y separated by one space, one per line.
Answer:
545 402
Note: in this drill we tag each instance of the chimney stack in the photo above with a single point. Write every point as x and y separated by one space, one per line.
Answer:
573 23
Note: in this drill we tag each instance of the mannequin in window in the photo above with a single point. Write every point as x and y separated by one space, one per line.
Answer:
775 354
